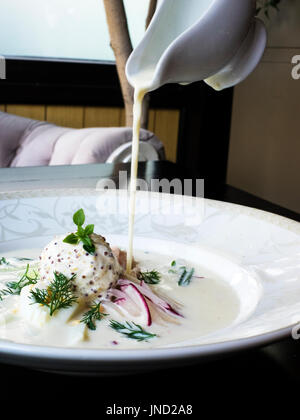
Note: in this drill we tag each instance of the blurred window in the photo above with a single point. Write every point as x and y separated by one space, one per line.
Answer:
63 29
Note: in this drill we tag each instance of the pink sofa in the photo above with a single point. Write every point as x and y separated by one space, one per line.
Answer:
26 142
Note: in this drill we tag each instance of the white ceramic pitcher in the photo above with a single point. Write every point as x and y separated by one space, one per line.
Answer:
219 41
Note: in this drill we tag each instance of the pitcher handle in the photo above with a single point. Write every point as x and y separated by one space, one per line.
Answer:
245 60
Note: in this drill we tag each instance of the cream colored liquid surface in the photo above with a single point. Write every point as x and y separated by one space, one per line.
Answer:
208 305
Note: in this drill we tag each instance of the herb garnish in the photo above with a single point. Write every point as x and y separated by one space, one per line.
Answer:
92 315
58 295
25 280
3 261
131 330
82 234
185 274
5 292
15 287
150 277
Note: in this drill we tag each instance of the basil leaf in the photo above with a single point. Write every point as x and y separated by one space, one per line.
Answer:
88 245
86 240
71 239
89 248
82 234
89 229
79 218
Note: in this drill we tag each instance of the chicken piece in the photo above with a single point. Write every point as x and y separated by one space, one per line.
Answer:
122 259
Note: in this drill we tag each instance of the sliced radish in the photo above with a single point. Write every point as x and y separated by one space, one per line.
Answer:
130 303
138 299
145 290
119 301
116 293
159 302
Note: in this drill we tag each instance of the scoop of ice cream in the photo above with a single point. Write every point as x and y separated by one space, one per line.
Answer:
94 273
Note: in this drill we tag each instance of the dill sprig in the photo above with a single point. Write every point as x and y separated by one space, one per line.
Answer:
92 315
58 295
185 274
131 330
5 292
25 280
82 234
150 277
15 287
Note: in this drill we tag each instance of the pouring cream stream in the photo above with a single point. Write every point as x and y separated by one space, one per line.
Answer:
142 82
137 113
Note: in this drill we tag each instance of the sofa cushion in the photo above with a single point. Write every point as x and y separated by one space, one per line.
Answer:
94 145
37 145
12 132
26 142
